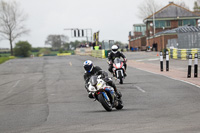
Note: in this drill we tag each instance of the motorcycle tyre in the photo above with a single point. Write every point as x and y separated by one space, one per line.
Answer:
120 78
120 105
102 100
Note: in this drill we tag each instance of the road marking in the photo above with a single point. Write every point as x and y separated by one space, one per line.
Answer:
152 59
139 60
70 63
140 89
14 86
16 83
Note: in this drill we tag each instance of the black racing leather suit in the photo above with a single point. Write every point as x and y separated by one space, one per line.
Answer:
111 58
98 71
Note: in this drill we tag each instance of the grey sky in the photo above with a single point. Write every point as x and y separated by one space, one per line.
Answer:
113 18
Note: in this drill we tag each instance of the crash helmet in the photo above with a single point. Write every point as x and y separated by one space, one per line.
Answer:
114 48
88 65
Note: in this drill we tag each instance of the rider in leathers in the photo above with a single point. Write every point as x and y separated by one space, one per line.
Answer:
115 54
91 70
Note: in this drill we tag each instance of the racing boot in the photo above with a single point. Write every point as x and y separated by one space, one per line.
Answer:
119 95
125 74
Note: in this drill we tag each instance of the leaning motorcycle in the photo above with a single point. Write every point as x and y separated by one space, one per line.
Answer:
119 69
104 94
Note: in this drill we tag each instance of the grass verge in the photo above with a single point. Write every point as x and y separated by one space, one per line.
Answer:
4 59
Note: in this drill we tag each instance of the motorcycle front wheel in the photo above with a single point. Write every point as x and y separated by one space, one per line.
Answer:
105 103
120 77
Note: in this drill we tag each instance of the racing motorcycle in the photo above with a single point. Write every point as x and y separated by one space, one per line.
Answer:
104 94
119 70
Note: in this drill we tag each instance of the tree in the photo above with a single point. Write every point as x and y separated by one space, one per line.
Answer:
45 51
22 48
182 4
120 44
148 8
197 6
56 41
11 22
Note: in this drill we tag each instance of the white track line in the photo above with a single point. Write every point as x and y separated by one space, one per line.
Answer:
140 89
16 83
70 63
14 86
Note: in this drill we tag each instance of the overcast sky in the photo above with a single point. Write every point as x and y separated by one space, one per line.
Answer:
113 18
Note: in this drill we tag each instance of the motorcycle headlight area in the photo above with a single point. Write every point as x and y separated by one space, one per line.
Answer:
100 85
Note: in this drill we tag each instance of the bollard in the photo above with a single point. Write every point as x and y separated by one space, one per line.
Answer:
161 61
196 65
189 66
167 60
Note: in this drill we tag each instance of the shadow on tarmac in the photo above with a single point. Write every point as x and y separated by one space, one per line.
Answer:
115 110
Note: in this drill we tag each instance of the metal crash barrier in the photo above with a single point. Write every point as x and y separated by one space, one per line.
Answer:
183 54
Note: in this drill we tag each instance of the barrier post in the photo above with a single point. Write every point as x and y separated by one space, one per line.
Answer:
189 66
167 60
161 61
196 65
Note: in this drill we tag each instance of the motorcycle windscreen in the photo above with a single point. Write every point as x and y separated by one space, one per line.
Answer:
117 60
93 80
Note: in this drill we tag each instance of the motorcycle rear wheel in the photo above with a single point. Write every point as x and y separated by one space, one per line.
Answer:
120 105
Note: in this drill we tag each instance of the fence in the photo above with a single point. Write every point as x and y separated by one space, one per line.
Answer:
183 53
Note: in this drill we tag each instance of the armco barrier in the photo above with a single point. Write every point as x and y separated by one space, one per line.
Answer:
175 54
63 54
193 52
183 53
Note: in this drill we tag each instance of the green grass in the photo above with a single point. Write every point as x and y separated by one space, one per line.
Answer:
3 59
53 52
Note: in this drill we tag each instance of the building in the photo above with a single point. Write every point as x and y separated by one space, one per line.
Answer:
169 17
138 40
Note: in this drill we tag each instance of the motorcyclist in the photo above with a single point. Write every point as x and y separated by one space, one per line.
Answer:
91 70
115 54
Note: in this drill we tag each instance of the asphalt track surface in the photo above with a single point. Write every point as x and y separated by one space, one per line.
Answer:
47 95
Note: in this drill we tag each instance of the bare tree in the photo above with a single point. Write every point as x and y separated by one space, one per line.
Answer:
56 41
147 8
182 4
11 22
197 6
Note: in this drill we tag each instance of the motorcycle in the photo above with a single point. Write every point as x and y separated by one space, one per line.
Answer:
119 70
104 94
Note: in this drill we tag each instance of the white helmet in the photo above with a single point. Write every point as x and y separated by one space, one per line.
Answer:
114 48
88 65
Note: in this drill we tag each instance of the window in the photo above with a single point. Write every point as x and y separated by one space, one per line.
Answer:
180 23
168 23
138 28
191 22
162 23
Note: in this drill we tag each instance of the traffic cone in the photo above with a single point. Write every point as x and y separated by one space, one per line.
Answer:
157 54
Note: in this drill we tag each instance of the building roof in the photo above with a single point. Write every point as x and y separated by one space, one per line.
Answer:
139 25
182 29
173 11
